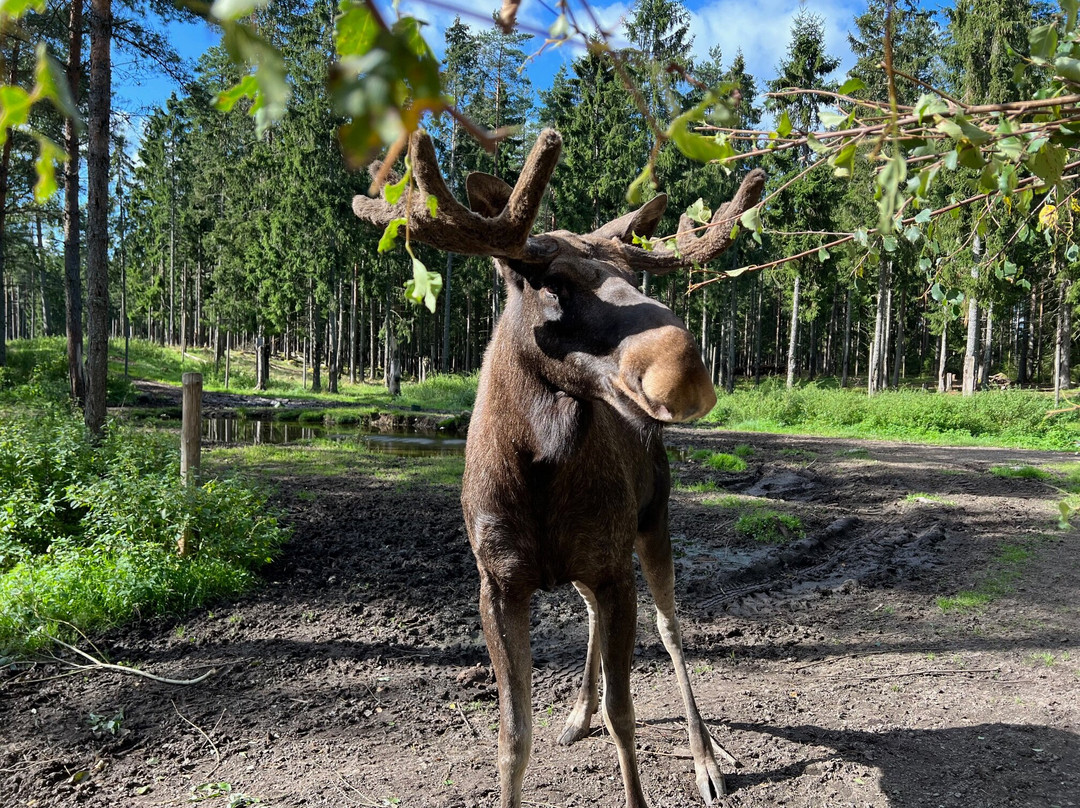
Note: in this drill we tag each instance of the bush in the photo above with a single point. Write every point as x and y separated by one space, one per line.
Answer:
88 533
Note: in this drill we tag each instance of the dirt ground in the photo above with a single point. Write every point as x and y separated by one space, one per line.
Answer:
357 676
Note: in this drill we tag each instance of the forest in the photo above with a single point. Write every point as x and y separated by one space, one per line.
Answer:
224 232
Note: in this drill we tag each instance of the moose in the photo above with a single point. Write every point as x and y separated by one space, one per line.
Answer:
566 475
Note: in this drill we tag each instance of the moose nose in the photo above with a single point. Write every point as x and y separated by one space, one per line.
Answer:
670 375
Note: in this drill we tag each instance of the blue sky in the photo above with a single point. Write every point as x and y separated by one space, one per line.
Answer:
760 27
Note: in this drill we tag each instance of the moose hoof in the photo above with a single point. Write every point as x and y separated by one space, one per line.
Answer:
710 781
577 726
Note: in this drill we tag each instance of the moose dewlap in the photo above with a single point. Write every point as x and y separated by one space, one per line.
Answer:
566 476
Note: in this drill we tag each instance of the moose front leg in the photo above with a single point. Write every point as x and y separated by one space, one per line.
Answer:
505 619
577 725
654 553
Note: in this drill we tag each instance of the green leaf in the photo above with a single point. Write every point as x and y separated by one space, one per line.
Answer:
822 255
699 213
834 120
862 237
923 216
50 81
843 161
235 9
432 203
247 88
696 146
355 29
389 236
1072 253
930 104
937 292
634 192
1048 163
751 220
913 234
560 28
1068 68
392 193
783 128
15 105
245 46
424 286
816 145
49 154
889 182
16 8
852 85
1043 43
888 243
1070 8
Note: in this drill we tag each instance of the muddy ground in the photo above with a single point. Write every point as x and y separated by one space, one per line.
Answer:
357 675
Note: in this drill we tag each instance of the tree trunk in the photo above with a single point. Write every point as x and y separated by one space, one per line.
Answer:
1063 343
73 299
97 215
971 348
898 355
875 368
943 352
353 333
733 313
984 370
5 164
793 338
847 339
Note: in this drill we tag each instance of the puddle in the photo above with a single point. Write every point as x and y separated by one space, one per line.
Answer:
253 431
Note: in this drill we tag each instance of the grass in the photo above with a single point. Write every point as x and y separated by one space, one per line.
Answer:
760 522
1020 472
719 461
706 487
769 527
1006 568
330 458
1010 418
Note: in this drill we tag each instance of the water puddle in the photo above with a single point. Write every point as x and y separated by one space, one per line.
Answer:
254 431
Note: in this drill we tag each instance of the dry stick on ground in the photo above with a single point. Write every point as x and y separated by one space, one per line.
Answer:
465 718
213 746
97 664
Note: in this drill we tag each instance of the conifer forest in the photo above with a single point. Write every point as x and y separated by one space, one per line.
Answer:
221 216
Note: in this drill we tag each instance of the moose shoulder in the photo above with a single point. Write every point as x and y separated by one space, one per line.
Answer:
566 476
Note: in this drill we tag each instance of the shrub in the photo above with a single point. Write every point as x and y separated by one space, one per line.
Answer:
88 533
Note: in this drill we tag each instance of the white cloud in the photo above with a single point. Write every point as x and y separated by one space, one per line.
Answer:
762 29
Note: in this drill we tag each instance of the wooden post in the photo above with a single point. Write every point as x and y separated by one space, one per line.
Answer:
190 447
190 438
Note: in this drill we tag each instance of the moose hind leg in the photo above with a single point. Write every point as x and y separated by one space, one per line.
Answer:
580 718
654 553
505 619
616 612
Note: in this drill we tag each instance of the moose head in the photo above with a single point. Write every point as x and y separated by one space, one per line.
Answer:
566 477
574 297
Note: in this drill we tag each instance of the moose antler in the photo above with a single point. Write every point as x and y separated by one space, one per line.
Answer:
454 227
692 248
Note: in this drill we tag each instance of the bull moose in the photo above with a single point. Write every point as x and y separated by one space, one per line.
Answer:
566 475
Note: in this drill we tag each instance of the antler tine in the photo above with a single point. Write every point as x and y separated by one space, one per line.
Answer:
694 249
454 227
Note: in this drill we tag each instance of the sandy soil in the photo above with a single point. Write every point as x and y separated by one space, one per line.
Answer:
357 676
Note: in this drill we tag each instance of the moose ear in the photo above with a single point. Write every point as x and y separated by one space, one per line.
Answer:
487 194
642 221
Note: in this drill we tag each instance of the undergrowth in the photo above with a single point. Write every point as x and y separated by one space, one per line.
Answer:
88 532
1013 418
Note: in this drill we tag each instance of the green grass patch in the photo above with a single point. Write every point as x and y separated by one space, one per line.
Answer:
706 487
88 533
719 461
743 450
769 527
1020 472
1013 418
1005 570
730 501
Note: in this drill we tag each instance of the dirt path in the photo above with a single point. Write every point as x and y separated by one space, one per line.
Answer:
358 676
